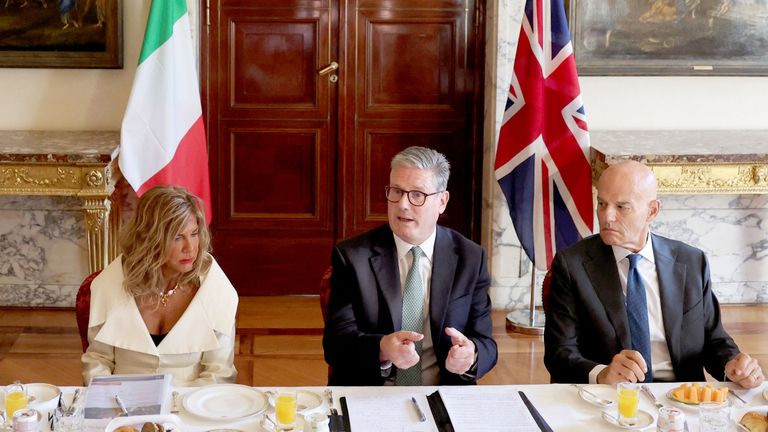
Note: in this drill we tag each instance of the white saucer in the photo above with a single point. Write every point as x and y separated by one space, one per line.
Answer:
644 420
604 391
306 401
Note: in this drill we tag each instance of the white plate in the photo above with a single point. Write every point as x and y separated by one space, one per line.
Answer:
306 401
737 414
644 419
170 422
225 402
603 391
685 405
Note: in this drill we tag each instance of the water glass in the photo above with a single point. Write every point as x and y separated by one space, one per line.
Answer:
714 416
628 396
285 409
66 420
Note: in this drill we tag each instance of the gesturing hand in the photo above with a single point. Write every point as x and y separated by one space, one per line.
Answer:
462 354
400 348
626 366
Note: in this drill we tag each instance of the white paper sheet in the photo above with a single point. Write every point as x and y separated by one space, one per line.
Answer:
389 414
493 410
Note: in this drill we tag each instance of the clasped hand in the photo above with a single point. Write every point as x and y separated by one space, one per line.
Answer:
400 348
744 371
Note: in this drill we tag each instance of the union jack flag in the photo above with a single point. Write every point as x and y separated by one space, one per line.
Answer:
542 160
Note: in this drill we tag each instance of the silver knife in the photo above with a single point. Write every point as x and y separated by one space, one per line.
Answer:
647 391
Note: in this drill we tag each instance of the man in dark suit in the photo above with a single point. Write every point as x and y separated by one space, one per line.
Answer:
594 332
409 301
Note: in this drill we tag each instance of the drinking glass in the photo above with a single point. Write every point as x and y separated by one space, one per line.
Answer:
16 398
714 416
628 395
285 409
68 420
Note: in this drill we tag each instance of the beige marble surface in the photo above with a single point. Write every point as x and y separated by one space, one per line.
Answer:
59 146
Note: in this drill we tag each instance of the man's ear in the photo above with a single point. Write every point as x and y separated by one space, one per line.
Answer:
444 201
654 207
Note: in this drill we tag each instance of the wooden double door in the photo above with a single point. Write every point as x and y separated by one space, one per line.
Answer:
300 150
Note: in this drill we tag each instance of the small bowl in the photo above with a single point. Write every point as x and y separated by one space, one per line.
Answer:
43 397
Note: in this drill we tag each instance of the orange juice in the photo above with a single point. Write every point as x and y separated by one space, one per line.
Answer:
15 401
629 399
285 410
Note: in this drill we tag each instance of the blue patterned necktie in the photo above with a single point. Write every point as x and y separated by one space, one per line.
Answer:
413 319
637 313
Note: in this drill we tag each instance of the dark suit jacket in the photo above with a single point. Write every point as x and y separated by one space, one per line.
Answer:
366 304
587 318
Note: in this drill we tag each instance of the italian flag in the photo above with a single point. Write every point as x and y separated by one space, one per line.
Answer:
162 139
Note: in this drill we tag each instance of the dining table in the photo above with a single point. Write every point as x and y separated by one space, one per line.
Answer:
564 407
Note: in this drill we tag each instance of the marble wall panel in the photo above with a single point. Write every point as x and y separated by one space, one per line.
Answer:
43 256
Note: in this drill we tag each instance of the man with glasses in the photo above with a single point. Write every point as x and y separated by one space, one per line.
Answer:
409 300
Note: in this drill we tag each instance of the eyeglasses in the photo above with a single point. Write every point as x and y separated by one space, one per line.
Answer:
417 198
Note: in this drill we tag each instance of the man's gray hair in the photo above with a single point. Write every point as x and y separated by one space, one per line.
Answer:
428 159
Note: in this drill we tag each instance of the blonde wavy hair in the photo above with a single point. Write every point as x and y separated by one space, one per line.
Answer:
144 242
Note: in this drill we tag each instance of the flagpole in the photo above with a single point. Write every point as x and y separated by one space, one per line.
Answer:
526 320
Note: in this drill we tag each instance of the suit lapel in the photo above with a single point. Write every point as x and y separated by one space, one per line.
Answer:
444 262
607 285
385 270
671 282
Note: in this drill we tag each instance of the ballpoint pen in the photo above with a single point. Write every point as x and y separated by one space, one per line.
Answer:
121 405
422 417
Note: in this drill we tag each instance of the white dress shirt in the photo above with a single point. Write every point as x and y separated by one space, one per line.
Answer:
662 362
430 372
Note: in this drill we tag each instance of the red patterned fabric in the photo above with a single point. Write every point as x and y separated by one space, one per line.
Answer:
325 291
83 308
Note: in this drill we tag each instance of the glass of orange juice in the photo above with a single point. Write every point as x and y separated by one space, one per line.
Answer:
629 399
285 409
16 398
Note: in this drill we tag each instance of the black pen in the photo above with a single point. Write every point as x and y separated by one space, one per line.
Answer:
422 417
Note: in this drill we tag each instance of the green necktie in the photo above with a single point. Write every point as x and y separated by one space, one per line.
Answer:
413 319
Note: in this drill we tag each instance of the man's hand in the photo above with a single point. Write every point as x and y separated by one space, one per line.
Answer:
462 354
744 371
400 348
626 366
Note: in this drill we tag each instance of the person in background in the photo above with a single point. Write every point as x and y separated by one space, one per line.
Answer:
164 305
409 301
628 305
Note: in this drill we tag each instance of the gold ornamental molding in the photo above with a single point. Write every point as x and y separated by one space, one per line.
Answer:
704 178
45 179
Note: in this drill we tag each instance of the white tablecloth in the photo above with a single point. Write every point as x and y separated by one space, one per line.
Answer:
559 404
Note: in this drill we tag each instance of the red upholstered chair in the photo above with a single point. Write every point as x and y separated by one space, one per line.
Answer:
83 308
325 295
325 291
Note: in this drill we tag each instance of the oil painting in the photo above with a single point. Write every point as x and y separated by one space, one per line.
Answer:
61 34
670 37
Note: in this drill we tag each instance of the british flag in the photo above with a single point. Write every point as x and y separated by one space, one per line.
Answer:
542 160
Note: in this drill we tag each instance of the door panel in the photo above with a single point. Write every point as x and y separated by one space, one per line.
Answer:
300 162
271 119
408 88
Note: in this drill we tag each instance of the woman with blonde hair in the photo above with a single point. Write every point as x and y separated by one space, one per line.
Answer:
164 305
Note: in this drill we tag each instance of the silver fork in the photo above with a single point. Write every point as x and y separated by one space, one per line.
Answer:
175 402
647 391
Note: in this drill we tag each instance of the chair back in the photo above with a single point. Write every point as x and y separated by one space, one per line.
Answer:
83 308
325 291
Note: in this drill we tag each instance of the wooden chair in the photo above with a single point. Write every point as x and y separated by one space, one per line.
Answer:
83 308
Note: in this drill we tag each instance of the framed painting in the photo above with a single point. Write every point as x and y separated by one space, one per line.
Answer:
61 34
670 37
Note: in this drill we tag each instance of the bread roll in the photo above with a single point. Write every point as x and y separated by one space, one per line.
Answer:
755 422
126 429
152 427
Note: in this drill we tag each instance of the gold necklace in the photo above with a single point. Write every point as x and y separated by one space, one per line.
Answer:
164 295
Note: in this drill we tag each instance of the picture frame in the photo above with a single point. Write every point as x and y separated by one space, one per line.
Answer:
61 34
670 37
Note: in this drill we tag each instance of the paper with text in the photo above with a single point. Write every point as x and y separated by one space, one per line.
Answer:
493 410
389 414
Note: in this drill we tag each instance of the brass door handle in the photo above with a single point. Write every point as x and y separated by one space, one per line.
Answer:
328 69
